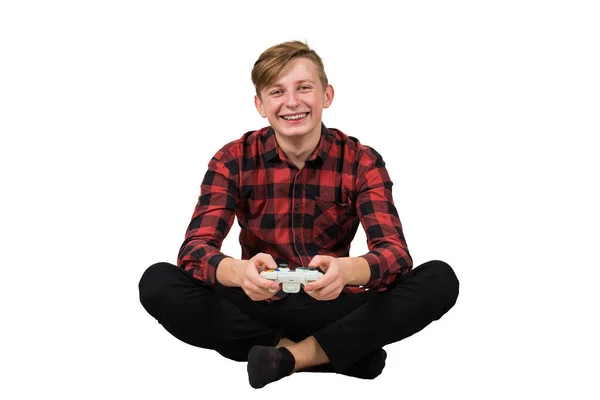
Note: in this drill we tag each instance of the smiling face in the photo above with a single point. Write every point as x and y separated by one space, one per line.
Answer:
294 102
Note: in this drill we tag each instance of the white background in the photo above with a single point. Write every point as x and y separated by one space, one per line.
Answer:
485 113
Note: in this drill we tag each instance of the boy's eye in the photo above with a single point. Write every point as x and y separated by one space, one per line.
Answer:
275 92
304 87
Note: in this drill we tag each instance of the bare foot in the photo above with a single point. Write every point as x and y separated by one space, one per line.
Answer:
284 342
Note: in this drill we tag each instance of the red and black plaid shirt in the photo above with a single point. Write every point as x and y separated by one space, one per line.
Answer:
293 214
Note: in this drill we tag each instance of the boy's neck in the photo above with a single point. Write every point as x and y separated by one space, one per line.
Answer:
299 150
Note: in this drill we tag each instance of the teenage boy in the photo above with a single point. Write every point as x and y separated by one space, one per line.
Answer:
299 191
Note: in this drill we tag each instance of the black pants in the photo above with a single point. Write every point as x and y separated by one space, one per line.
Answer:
347 328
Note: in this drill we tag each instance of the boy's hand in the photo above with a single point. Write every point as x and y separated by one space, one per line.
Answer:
330 285
254 285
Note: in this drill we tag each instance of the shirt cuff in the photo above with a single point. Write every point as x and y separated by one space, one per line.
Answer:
375 267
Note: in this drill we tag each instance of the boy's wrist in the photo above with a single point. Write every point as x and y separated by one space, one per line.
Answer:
229 272
358 271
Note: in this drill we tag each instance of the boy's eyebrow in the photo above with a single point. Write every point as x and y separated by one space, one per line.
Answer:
297 83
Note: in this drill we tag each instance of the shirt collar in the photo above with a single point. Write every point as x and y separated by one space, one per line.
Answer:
271 149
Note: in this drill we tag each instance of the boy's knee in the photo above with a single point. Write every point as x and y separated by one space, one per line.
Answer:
152 284
448 284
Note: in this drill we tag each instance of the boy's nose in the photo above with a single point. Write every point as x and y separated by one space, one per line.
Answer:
292 100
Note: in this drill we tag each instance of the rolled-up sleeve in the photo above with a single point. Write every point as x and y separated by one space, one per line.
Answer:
388 254
211 221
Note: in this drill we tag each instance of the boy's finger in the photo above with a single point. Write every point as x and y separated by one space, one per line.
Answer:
318 284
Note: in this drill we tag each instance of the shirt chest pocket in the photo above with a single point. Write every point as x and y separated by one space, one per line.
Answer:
332 221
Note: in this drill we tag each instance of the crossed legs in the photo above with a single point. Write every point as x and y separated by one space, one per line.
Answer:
345 335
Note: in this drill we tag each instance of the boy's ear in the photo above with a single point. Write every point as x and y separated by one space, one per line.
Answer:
329 92
259 106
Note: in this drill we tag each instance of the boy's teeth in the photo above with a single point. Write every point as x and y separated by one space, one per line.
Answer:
299 116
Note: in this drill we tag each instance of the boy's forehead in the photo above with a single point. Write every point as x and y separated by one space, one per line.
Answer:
297 71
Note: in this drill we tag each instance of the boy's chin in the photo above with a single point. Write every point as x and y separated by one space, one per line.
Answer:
293 133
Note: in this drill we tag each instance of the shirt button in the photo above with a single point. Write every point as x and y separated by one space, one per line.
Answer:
297 207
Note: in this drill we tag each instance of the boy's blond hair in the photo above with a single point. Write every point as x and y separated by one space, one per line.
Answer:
273 60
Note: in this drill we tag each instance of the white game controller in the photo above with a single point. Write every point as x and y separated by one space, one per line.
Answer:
291 280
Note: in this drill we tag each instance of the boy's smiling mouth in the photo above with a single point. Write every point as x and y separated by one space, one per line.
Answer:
294 117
